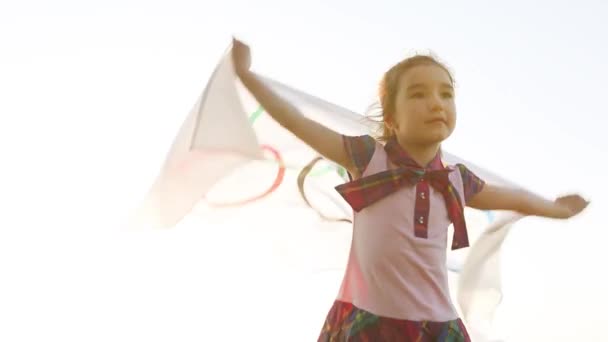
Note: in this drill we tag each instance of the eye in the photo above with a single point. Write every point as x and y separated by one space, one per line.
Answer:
447 95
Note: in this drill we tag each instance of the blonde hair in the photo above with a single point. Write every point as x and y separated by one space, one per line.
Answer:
389 88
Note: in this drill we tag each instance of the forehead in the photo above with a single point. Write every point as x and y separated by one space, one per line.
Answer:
430 75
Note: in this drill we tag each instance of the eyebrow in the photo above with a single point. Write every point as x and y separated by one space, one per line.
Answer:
422 85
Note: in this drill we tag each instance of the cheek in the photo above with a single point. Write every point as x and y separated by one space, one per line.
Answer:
452 117
416 106
409 112
402 120
415 116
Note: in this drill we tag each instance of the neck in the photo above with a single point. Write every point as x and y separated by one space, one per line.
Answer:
421 153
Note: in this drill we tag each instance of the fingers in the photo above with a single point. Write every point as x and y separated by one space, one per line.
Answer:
236 42
574 203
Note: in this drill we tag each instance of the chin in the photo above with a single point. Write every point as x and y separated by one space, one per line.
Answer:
428 137
442 134
435 141
436 137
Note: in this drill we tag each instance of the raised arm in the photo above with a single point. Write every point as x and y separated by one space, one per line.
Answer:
325 141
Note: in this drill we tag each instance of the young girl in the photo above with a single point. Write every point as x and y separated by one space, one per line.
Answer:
395 286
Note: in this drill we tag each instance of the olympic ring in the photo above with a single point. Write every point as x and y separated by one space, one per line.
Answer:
275 185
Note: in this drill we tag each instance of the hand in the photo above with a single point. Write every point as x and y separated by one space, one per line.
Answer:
241 57
570 205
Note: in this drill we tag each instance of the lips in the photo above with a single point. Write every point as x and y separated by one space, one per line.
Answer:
438 120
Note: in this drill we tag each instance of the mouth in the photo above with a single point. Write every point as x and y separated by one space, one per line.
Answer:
438 120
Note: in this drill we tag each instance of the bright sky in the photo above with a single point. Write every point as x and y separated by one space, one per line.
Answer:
93 94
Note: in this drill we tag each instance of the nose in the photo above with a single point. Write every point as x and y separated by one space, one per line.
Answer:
435 103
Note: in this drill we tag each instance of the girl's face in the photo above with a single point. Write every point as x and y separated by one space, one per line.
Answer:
425 112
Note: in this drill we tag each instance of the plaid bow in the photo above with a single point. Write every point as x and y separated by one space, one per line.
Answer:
366 191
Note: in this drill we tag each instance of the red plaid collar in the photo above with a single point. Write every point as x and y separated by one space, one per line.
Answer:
368 190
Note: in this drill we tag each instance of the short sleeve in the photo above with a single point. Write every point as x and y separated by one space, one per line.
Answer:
360 150
471 183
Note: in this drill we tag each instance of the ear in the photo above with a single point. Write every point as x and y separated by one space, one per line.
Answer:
389 122
391 125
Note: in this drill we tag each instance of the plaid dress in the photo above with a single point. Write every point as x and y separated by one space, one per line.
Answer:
347 323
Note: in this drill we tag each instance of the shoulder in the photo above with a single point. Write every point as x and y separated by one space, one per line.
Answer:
471 183
360 149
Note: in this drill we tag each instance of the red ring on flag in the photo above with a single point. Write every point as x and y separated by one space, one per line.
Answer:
275 185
